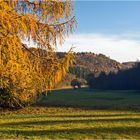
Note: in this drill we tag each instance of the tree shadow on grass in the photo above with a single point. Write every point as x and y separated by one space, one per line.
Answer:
65 133
59 104
55 122
75 116
91 115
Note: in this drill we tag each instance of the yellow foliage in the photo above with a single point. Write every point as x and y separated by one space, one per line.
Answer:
24 74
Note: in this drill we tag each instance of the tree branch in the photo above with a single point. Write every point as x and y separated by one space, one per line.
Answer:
63 23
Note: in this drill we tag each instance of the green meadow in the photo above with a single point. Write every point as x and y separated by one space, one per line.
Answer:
94 99
76 114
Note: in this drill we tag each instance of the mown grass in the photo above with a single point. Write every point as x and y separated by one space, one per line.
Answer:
75 123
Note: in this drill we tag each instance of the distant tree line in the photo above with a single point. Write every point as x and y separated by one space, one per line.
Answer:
122 80
80 72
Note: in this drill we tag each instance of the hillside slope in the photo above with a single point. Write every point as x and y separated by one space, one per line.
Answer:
86 63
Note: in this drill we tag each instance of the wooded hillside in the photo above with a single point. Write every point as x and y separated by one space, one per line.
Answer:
86 63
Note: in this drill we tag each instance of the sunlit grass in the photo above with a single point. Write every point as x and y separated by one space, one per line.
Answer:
74 123
71 123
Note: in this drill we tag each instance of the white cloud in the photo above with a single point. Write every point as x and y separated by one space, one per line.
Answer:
118 47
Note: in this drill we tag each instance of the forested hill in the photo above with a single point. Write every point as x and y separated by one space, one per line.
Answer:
86 63
91 62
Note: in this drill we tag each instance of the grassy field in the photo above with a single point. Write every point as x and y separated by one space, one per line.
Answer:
104 115
94 99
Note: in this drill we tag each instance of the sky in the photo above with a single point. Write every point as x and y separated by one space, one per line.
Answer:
108 27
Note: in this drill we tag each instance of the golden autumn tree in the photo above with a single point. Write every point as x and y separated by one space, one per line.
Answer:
25 73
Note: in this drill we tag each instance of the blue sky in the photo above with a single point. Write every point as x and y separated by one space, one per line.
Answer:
107 17
108 27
